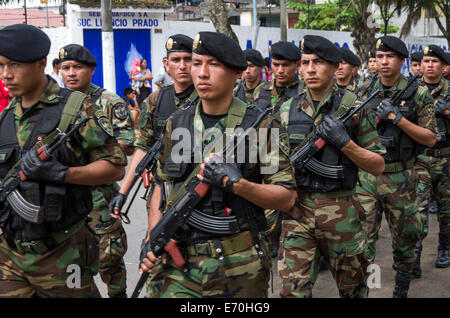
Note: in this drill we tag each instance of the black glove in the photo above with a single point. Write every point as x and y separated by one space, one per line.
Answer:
387 107
216 169
46 171
117 201
441 107
333 131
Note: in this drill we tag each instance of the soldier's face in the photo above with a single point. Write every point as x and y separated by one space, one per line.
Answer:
212 79
318 74
446 72
284 72
344 71
252 72
373 65
389 64
21 78
76 75
178 67
432 68
415 67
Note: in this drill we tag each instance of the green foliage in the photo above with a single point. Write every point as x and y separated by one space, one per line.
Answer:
391 29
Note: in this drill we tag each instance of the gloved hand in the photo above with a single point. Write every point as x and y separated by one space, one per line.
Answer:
45 171
117 202
216 169
387 107
333 131
441 107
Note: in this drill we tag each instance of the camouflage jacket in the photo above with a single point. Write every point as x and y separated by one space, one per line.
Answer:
364 123
353 85
277 98
441 90
425 108
118 114
283 174
249 92
91 143
146 136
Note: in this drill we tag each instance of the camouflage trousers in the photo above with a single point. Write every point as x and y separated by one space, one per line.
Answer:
434 179
66 271
395 195
112 242
325 226
273 218
241 274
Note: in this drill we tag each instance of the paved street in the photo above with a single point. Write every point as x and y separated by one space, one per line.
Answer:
435 283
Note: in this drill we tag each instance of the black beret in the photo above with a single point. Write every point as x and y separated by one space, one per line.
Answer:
284 50
436 51
448 58
372 54
78 53
349 57
222 47
322 47
24 43
391 43
416 56
254 56
179 43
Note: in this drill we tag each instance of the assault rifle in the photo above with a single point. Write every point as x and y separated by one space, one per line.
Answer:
163 235
8 187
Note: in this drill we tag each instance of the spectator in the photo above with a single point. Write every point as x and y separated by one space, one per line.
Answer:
163 79
267 70
131 101
145 75
4 96
56 74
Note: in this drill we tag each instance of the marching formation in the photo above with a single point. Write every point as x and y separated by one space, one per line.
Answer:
238 170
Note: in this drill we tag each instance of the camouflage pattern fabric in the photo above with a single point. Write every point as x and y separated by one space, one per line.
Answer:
395 196
352 86
328 227
92 142
318 212
242 274
113 243
249 92
46 275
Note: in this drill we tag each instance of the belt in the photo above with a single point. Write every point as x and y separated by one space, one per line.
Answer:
43 245
399 166
437 152
214 248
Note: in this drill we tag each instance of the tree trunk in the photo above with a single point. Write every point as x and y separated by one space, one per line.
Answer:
364 42
218 14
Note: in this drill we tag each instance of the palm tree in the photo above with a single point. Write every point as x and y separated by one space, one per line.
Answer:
218 14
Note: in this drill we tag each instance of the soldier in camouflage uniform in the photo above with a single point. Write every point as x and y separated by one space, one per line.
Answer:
328 218
241 266
251 76
77 68
57 255
284 85
433 165
404 129
347 67
416 60
157 108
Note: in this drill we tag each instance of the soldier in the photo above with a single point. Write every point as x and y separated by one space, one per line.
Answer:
241 266
433 166
52 253
328 215
416 59
373 69
77 68
371 79
285 84
347 67
404 129
252 76
446 72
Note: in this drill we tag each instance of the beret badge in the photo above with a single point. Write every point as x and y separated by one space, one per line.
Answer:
169 44
62 53
196 42
426 51
378 43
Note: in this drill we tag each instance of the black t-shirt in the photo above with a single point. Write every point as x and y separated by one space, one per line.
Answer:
432 87
185 94
210 120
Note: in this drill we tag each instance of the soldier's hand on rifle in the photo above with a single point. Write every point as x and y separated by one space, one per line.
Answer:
442 107
116 205
215 172
387 111
149 261
333 131
47 171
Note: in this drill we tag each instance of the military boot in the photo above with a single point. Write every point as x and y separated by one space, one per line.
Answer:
443 259
401 285
417 271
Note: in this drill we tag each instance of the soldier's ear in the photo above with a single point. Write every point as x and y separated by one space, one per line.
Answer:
42 63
